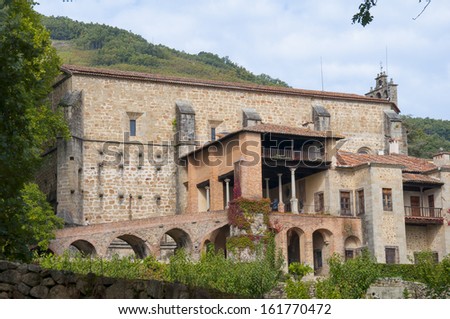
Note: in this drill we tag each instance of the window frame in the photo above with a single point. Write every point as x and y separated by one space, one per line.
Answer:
133 127
344 211
360 205
386 195
394 249
319 202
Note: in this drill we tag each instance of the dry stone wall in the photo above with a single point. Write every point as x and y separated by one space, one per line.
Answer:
22 281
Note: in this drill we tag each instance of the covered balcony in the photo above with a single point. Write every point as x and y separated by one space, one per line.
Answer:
422 200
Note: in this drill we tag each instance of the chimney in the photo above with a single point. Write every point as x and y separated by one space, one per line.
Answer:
442 158
394 147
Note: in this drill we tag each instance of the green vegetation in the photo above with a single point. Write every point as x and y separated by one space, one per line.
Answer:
427 136
126 267
92 44
28 67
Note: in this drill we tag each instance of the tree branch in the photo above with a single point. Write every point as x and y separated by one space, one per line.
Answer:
424 8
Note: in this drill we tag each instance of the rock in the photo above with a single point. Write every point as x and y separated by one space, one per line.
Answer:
18 295
119 290
23 289
31 279
40 292
10 276
57 276
85 287
4 295
58 292
6 287
7 265
34 268
48 282
154 289
23 268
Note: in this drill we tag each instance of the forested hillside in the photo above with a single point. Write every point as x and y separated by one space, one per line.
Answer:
92 44
427 136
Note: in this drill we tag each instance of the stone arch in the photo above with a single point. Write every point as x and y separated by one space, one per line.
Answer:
351 247
126 245
173 240
82 246
322 243
295 239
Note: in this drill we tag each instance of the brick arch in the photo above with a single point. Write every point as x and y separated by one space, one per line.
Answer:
85 247
139 245
295 245
323 248
217 237
179 239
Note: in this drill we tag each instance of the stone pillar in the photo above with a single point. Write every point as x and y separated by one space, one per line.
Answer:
227 192
280 194
207 198
267 187
294 201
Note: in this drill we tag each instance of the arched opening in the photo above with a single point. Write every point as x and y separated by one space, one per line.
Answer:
173 240
351 247
364 150
128 245
321 250
82 246
295 245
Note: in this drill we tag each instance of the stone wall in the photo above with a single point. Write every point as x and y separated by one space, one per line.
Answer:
19 281
396 288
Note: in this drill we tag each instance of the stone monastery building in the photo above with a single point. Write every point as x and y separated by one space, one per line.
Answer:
153 164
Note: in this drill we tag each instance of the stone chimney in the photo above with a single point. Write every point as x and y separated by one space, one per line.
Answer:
442 159
394 147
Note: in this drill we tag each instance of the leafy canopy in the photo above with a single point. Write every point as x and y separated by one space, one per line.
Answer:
28 67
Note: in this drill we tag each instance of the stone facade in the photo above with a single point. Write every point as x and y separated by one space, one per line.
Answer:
153 158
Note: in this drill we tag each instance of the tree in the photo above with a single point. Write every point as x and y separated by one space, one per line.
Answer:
28 68
364 16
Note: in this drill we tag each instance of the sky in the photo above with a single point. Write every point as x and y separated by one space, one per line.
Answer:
306 43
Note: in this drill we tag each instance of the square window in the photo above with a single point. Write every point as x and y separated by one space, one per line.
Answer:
391 255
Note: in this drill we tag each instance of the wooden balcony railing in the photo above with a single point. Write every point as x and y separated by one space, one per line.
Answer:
423 215
427 212
292 155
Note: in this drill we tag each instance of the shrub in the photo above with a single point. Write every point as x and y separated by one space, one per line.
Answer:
297 289
299 270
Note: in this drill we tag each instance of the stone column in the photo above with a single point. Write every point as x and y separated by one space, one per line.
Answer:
207 198
267 187
294 201
280 194
227 192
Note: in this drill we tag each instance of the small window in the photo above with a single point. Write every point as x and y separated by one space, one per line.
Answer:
319 203
346 203
132 127
391 255
213 133
387 199
360 202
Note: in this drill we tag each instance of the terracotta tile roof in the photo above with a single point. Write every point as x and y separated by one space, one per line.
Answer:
420 179
409 163
288 130
83 70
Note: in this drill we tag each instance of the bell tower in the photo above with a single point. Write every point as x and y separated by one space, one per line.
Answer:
384 88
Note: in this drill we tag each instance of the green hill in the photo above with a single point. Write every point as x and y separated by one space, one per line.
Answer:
92 44
427 136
